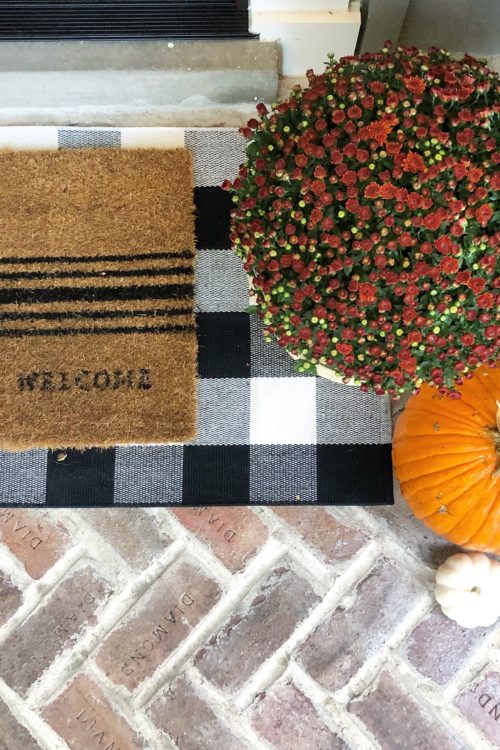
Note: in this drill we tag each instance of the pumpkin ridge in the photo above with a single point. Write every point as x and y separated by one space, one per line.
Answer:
438 471
481 432
483 414
450 520
484 401
495 511
487 382
485 509
428 400
466 420
423 488
445 407
482 481
458 508
422 442
441 456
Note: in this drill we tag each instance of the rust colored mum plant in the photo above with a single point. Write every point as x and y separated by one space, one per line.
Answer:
365 216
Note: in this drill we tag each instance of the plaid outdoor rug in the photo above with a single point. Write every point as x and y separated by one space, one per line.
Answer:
265 433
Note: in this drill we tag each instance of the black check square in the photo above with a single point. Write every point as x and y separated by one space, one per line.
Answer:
216 473
354 474
223 345
81 478
213 212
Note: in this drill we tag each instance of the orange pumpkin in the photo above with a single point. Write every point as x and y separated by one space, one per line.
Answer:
446 455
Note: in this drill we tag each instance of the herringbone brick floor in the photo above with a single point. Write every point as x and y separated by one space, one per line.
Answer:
235 629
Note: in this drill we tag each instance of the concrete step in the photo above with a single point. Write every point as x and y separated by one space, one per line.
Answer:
74 79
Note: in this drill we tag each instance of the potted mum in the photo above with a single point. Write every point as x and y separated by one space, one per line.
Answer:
365 218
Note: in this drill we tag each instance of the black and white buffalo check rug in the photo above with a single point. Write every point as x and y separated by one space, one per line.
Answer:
266 435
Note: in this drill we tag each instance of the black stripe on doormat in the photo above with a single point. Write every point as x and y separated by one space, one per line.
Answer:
97 314
21 333
110 273
95 293
184 255
80 478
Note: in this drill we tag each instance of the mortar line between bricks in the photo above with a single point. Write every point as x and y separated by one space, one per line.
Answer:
426 695
273 668
97 546
383 533
199 550
334 715
474 666
337 513
138 720
365 521
38 591
325 579
42 732
364 731
294 542
14 568
120 603
394 550
305 553
238 723
374 664
95 541
495 658
245 581
302 556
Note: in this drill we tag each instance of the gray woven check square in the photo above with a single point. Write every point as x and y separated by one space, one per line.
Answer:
217 152
223 411
221 284
148 474
269 360
345 415
23 477
89 138
282 473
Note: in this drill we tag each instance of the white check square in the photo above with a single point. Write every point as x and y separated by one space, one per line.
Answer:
283 411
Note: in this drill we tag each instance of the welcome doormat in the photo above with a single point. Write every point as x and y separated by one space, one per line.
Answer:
97 338
265 434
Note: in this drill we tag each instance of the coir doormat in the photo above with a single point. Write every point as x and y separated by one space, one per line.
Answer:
265 434
97 338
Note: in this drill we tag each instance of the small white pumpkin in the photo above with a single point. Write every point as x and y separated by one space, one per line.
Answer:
468 589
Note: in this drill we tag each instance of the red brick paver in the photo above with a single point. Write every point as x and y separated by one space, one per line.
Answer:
189 721
10 598
263 622
321 530
85 720
341 644
287 718
400 723
13 735
480 703
34 645
233 534
157 624
34 537
438 647
132 532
